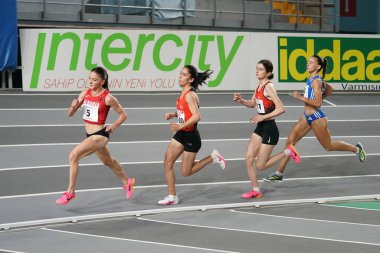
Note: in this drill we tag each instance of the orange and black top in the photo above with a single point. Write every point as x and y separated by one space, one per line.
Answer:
263 104
183 112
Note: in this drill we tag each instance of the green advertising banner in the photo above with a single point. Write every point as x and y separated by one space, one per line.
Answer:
150 60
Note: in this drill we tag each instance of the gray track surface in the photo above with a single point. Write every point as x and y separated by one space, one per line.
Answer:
36 137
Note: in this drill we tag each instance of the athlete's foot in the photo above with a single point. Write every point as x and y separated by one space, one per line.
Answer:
293 153
65 198
128 188
361 153
252 194
218 158
273 177
169 200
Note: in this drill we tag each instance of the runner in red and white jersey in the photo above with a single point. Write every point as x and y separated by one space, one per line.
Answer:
96 102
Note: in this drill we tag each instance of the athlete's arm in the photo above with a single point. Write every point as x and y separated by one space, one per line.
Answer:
328 90
248 103
317 101
76 104
116 106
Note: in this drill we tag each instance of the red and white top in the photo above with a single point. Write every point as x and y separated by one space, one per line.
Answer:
183 112
263 104
95 108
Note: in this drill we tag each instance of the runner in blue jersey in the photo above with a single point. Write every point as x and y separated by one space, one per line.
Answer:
314 118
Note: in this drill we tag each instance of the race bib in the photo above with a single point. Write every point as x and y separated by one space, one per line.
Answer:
90 113
306 92
181 116
260 106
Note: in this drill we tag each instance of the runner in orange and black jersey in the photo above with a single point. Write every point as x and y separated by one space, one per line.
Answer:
266 134
186 140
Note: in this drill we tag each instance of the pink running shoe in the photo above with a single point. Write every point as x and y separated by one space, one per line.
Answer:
218 158
65 198
252 194
128 188
294 154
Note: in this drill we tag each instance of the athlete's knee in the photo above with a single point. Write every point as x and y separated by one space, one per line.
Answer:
328 147
73 156
249 158
185 173
260 165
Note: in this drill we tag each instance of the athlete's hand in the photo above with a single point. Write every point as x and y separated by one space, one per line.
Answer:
237 97
258 118
75 103
169 115
295 94
110 129
174 127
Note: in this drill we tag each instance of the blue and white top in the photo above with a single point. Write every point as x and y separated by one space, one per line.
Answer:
309 92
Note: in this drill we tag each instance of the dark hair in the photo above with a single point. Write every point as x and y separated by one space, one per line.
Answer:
199 77
268 67
323 62
102 72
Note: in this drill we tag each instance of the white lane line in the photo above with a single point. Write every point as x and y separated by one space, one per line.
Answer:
161 162
259 232
10 251
305 219
359 208
171 107
330 103
167 141
138 241
200 123
187 185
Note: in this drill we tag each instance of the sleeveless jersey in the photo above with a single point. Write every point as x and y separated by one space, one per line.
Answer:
263 104
95 108
183 112
308 90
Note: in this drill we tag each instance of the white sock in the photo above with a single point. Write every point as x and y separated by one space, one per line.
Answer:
357 150
278 173
287 152
257 189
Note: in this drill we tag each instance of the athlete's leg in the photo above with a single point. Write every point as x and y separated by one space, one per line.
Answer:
173 151
253 148
189 166
322 133
87 147
105 156
300 129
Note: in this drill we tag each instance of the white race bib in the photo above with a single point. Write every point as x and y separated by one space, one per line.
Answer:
90 113
260 106
181 116
306 91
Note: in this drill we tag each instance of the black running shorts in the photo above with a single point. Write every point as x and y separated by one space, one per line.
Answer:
101 132
268 131
191 140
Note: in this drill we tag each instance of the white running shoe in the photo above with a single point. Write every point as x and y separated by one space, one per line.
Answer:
218 158
169 200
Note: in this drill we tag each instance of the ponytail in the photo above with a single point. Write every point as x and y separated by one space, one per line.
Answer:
102 72
323 63
199 77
